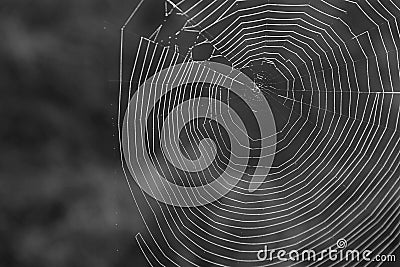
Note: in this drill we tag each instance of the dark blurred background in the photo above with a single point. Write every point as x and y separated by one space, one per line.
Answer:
64 200
63 197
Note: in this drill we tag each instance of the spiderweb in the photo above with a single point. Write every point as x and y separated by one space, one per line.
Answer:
253 123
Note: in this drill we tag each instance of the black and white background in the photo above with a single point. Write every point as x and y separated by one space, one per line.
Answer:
329 71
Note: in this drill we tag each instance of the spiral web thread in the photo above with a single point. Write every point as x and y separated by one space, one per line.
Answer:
330 73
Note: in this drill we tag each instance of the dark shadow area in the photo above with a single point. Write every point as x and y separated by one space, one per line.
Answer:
64 199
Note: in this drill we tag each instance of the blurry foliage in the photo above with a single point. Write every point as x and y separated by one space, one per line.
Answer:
63 200
54 74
